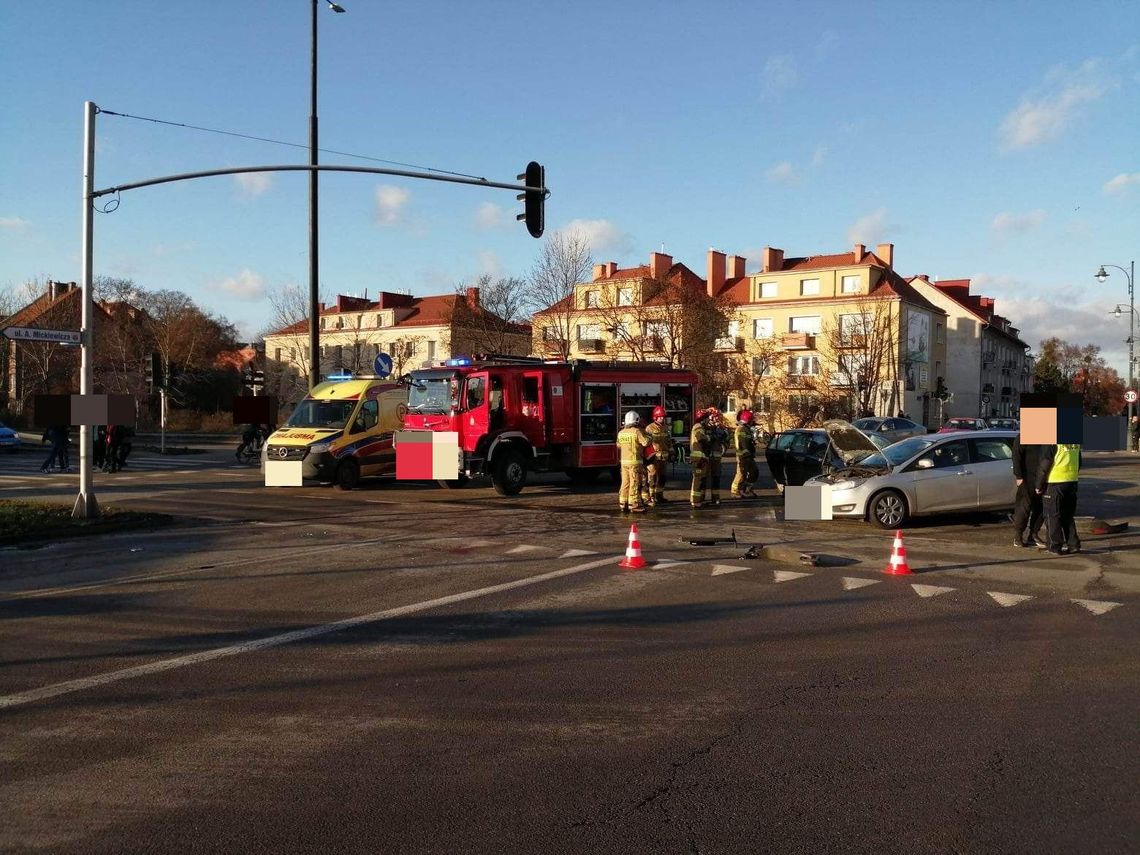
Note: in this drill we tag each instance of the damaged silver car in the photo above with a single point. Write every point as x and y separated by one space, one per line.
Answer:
933 474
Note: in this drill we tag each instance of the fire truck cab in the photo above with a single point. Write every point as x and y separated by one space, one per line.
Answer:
516 415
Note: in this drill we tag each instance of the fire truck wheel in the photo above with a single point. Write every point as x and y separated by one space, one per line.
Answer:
461 481
510 473
347 475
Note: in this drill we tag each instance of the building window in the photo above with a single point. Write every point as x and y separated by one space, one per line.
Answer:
431 351
762 328
853 330
324 323
850 284
762 404
938 337
809 287
591 299
588 331
852 369
621 331
550 333
805 324
625 296
803 366
277 354
801 405
766 290
657 329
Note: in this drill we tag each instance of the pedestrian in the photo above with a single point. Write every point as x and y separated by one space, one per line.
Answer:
99 446
1134 434
744 442
632 443
57 436
662 452
64 449
1028 514
1056 483
125 445
111 461
699 449
718 445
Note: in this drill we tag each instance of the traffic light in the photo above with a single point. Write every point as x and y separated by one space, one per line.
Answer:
152 368
534 201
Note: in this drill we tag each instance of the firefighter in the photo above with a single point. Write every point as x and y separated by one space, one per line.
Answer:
658 434
718 444
745 444
699 448
632 442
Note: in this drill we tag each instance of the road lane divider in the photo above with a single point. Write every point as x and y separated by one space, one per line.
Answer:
98 680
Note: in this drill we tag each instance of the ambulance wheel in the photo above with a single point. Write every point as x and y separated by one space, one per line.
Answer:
510 474
348 475
459 482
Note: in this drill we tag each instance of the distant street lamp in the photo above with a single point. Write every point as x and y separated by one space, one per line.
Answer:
1130 275
314 265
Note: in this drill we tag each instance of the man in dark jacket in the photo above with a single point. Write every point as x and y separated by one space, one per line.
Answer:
1027 510
1056 483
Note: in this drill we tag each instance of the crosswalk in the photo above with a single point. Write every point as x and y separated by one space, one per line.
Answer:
26 467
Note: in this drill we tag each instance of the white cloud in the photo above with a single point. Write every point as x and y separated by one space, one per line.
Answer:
1049 110
390 203
602 235
13 223
247 285
490 216
779 75
869 229
1006 223
253 184
782 173
1121 183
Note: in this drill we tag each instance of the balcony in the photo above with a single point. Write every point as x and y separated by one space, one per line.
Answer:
734 344
798 341
591 345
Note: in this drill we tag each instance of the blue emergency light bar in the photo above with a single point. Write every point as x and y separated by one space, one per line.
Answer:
458 362
344 375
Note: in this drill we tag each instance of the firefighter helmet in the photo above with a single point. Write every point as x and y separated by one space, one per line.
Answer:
744 416
713 415
632 418
658 413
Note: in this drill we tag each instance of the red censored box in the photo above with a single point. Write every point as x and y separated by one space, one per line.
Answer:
426 455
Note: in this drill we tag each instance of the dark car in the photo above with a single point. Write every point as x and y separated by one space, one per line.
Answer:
796 455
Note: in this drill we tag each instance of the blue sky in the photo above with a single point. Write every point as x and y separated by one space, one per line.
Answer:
996 141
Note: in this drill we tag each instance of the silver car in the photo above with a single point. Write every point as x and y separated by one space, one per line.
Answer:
892 428
933 474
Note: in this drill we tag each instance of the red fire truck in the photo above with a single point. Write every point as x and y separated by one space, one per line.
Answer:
516 415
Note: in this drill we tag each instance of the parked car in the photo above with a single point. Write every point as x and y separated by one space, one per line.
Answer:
9 439
939 473
1003 424
796 455
962 423
892 428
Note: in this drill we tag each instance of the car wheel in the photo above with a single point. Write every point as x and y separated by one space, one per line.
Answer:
510 474
348 475
888 509
455 484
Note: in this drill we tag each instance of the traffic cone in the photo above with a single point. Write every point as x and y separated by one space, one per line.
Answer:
897 566
633 559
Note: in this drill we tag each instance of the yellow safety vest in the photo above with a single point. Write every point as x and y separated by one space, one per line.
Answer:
631 440
1066 463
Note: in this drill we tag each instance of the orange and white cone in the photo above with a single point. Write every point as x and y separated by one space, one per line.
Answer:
897 565
633 559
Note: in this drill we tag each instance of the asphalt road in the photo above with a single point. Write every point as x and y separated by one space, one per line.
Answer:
408 669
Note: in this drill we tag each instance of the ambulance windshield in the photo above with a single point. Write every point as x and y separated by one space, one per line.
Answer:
321 414
431 393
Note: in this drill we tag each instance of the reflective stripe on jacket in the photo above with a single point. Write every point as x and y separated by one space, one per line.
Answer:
631 440
698 442
744 441
659 436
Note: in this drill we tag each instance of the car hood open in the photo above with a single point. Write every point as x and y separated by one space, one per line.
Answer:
850 443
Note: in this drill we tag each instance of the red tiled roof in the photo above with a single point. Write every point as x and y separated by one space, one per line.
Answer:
435 310
894 284
822 262
29 314
641 272
958 290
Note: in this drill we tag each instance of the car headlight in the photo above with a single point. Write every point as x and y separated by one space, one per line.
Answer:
849 484
318 448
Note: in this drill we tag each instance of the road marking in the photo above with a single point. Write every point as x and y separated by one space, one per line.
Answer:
722 569
1097 607
850 583
666 563
51 691
1007 600
519 550
787 575
930 590
576 553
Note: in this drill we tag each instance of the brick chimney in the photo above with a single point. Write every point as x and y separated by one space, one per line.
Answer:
659 264
736 266
715 280
886 251
611 268
473 299
773 259
599 271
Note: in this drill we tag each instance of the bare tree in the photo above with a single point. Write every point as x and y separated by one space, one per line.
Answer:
860 351
184 335
565 261
495 323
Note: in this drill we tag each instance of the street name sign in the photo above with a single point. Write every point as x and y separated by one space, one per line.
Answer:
37 334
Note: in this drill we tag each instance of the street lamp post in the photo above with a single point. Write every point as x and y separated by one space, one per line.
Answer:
314 260
1130 275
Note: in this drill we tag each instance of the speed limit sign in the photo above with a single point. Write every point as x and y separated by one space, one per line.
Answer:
1130 396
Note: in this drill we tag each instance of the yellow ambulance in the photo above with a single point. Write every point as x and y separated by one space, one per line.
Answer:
341 432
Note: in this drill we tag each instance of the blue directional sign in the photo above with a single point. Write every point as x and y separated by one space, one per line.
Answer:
383 365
